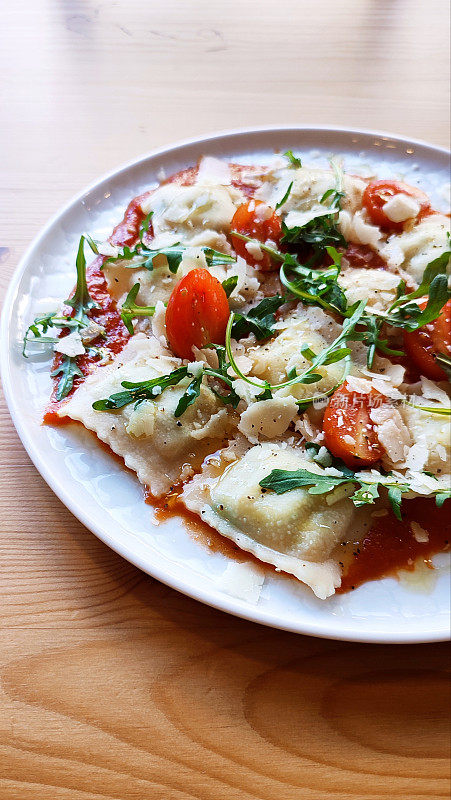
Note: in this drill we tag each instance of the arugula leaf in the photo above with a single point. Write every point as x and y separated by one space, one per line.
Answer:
436 267
285 197
221 374
144 227
315 286
215 258
41 325
444 411
309 375
149 390
366 494
320 232
266 394
68 370
81 301
143 390
281 481
372 338
395 498
438 297
130 310
259 320
272 251
294 161
190 395
230 284
404 313
142 256
335 195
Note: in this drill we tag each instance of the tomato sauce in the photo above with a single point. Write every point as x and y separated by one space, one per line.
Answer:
126 232
390 544
169 507
106 315
360 256
187 177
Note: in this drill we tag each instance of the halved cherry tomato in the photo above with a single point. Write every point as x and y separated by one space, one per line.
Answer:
197 313
376 195
423 344
348 430
257 220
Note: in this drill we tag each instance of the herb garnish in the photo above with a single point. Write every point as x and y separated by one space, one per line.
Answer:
281 481
148 390
81 302
331 354
230 284
67 371
141 256
316 286
258 320
285 197
294 161
130 310
320 232
320 287
137 392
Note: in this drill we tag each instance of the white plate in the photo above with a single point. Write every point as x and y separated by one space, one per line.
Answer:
108 499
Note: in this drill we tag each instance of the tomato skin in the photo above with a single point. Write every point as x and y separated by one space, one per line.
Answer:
421 345
247 221
376 195
197 313
348 414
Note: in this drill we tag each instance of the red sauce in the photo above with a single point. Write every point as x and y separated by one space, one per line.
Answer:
106 315
126 232
186 177
170 507
390 544
361 256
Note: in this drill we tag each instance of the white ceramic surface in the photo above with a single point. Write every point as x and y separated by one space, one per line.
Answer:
108 499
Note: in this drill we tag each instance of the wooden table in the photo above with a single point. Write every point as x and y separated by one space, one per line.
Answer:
112 685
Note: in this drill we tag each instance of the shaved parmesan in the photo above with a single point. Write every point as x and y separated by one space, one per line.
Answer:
268 418
401 207
70 345
243 581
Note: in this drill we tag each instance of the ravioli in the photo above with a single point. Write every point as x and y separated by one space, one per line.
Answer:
306 308
151 440
296 532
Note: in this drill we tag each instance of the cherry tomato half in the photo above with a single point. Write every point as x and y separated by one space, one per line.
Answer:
197 313
257 220
376 195
348 430
423 344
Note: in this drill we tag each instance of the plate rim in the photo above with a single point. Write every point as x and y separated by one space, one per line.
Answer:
227 603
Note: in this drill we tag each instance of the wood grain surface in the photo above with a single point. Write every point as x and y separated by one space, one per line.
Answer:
112 686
